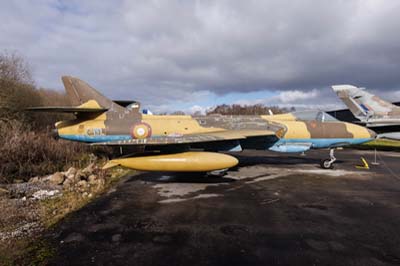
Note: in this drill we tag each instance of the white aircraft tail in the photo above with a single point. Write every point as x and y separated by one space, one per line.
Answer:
363 104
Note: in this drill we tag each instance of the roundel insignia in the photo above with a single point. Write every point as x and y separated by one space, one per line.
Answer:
313 124
141 131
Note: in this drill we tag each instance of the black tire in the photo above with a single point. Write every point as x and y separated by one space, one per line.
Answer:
326 165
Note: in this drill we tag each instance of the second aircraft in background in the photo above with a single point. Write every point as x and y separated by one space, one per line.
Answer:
381 116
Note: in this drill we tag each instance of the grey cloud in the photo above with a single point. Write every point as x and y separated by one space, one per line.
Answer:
164 51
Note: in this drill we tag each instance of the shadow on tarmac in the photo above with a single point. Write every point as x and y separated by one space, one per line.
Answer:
168 177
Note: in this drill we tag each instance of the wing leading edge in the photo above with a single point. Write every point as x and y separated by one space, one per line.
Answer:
191 138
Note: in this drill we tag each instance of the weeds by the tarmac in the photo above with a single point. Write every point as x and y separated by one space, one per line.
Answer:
28 219
381 144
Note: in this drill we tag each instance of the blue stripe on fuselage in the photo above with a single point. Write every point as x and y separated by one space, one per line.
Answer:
103 138
316 143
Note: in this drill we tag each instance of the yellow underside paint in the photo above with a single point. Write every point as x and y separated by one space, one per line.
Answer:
70 128
171 124
358 131
179 162
280 117
295 130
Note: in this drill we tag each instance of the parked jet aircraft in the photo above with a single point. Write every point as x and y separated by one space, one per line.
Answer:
381 116
186 143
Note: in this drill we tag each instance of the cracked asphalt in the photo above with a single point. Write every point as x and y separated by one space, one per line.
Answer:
272 209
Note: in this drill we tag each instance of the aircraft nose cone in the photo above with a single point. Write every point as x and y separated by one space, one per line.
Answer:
372 133
54 134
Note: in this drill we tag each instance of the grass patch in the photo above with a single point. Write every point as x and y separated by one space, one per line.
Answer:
380 144
26 252
56 209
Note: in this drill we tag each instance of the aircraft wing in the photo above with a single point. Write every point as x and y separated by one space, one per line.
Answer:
66 109
192 138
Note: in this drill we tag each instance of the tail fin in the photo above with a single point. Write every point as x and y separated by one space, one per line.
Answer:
80 92
362 103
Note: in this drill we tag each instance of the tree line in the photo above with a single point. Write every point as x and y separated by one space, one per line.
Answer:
25 146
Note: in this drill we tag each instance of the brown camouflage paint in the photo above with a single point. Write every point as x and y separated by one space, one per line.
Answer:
328 130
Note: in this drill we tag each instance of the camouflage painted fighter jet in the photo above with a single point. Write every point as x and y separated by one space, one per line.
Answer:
186 143
381 116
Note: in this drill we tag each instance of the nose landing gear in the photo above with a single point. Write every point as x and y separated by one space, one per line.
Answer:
328 163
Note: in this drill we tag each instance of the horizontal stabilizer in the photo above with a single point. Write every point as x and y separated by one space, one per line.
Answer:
90 106
66 109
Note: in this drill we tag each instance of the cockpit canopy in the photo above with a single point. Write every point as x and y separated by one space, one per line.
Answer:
318 116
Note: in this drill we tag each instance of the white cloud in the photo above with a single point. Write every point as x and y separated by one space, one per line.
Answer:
311 99
198 108
297 95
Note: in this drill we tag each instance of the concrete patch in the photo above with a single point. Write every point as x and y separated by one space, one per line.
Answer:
175 191
249 172
333 173
269 177
168 190
269 173
201 196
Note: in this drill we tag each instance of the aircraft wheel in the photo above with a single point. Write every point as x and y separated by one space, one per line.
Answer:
327 164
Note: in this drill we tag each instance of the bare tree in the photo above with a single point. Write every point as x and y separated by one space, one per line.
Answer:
13 67
236 109
178 113
17 92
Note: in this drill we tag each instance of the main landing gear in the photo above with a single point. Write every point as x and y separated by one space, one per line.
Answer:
328 163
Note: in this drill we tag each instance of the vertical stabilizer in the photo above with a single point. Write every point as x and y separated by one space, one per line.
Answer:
363 104
80 92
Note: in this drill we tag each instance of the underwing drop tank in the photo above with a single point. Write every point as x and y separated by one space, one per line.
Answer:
177 162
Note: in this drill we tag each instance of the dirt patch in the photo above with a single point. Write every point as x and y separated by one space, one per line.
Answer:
34 206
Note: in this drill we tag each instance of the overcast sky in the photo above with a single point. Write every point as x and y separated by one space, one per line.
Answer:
190 55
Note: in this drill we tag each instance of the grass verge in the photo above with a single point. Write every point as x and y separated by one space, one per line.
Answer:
380 144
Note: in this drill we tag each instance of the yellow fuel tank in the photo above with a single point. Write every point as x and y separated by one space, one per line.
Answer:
177 162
